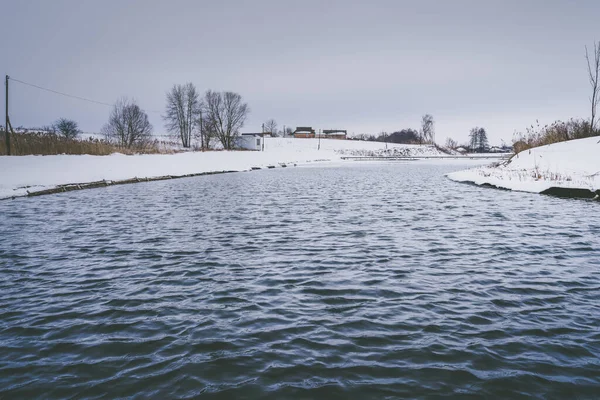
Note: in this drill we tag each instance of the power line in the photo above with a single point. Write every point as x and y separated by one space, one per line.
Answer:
70 95
62 94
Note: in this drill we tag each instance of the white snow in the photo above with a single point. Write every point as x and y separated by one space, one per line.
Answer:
574 164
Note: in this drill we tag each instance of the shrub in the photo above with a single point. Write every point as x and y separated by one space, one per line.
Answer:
67 128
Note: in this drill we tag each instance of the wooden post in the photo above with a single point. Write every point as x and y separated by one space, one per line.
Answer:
6 121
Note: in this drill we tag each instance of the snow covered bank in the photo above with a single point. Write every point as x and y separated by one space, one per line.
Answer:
23 174
567 165
353 147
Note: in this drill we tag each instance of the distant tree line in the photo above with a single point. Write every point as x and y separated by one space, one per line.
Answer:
426 135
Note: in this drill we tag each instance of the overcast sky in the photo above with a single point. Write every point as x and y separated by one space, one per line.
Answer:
364 66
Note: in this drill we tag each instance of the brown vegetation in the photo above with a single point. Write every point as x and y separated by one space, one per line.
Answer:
45 144
558 131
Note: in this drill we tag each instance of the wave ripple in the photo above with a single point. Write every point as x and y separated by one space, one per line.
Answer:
361 281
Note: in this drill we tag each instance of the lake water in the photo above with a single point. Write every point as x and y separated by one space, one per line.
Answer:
367 280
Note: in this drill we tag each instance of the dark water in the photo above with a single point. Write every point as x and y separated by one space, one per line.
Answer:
362 281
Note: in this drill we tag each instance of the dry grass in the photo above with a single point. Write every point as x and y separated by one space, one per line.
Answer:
23 144
558 131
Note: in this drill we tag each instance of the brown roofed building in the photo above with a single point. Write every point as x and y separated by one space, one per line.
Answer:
304 132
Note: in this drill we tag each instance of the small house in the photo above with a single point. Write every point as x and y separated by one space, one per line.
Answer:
250 141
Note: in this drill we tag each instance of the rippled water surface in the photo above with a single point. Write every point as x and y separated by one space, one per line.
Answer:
356 281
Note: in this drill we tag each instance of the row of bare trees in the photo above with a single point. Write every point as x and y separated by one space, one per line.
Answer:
218 115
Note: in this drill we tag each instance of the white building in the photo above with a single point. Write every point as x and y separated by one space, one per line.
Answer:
250 141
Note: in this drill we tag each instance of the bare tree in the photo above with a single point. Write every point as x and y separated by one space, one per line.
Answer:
67 128
205 132
224 113
183 112
451 143
427 129
594 73
128 125
270 127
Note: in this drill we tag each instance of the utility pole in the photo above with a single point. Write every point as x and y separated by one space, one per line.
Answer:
319 148
6 121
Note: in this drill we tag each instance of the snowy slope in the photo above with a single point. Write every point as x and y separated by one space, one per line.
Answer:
574 164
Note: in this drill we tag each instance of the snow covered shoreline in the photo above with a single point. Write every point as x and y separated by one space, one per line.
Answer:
28 175
23 175
568 168
35 175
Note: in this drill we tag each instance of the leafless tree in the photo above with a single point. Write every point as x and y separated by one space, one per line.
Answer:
225 114
451 143
594 74
183 112
205 133
270 127
427 129
128 125
67 128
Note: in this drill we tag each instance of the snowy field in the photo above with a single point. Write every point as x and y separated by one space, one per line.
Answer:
573 165
20 175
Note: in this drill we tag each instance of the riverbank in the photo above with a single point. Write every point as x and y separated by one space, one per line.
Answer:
569 169
35 175
31 175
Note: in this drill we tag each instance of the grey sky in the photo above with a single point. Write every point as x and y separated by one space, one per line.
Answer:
365 66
